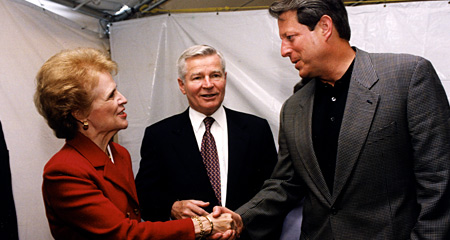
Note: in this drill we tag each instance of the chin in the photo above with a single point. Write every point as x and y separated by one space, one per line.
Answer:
211 110
303 75
122 126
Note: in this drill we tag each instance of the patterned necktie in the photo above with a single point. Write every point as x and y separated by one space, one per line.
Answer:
210 158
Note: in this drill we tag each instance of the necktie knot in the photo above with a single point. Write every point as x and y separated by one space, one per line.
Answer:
208 122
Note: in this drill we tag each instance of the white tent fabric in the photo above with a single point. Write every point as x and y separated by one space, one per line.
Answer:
29 36
259 80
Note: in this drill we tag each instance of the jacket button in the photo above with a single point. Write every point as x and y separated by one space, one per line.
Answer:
334 210
128 214
136 211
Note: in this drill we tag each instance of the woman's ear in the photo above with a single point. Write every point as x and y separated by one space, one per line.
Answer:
79 115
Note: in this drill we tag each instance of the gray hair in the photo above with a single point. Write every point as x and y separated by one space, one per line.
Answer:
194 51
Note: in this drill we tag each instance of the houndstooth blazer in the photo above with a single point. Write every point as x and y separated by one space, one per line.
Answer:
393 160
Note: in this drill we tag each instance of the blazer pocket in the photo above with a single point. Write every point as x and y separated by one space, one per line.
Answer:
383 133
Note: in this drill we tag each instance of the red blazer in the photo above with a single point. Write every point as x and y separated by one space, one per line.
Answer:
87 196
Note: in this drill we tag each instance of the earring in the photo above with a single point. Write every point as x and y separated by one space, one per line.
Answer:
85 125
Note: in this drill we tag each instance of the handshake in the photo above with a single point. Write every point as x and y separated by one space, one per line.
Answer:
222 223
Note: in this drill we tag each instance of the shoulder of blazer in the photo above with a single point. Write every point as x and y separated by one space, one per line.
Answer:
68 161
242 123
371 67
174 122
381 62
398 61
79 152
379 57
233 115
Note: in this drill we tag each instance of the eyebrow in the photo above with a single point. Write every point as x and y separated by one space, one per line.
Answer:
195 73
201 73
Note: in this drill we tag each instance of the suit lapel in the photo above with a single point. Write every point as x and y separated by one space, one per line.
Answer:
360 109
185 144
303 131
114 173
237 142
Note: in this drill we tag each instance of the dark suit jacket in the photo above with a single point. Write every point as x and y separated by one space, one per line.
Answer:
8 219
87 196
172 169
393 160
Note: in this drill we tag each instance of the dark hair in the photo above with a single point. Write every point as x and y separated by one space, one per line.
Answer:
64 85
309 13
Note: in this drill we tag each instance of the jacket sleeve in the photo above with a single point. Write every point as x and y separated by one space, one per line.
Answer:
78 209
428 115
269 152
152 180
277 196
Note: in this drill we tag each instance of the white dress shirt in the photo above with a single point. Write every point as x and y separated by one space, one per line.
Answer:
108 148
219 130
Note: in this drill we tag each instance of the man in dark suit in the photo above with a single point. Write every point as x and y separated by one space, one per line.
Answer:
8 219
365 138
172 181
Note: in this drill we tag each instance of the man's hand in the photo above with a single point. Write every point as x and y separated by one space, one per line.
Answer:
188 208
228 235
238 224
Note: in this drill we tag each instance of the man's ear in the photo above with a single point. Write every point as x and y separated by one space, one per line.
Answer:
326 26
181 86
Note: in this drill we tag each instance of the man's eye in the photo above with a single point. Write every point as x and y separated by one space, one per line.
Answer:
112 94
290 37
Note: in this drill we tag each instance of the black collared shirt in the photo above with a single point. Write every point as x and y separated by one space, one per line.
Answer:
328 111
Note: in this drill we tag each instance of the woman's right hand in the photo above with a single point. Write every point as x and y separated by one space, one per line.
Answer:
208 225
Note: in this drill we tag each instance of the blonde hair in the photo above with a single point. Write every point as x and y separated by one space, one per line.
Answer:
64 85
